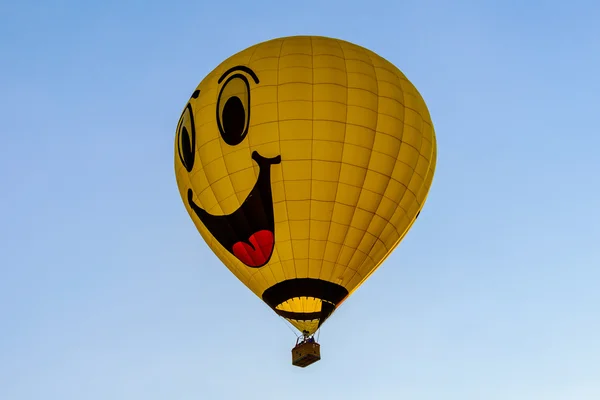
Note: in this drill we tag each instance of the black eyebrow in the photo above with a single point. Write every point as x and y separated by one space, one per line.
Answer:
239 68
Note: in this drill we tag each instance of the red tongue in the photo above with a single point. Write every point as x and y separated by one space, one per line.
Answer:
257 257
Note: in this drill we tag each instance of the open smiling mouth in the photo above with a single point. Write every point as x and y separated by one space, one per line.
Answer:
249 232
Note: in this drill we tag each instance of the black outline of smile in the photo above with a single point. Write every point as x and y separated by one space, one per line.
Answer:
254 215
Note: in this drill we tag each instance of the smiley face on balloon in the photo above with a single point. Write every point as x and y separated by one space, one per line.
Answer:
303 161
248 232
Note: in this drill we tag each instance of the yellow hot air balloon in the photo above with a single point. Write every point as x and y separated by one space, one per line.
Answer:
303 161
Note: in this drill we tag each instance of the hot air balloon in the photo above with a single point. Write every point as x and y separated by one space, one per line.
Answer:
303 162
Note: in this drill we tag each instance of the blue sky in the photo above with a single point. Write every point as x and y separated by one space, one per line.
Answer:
108 292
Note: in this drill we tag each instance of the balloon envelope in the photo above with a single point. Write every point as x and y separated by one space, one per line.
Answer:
303 161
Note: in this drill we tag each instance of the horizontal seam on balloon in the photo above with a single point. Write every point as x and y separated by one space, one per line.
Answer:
323 201
325 180
281 260
328 55
296 67
209 164
202 107
315 120
263 85
210 209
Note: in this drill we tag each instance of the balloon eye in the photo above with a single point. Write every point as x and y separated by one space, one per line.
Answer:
233 109
186 138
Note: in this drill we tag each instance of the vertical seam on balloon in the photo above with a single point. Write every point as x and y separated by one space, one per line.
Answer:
362 184
282 161
432 160
382 194
312 136
411 222
400 236
397 160
339 172
430 171
377 264
367 253
424 182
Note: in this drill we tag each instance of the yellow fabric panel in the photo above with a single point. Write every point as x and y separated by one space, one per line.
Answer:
358 154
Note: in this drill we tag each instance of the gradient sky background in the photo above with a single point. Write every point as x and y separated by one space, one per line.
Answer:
108 292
